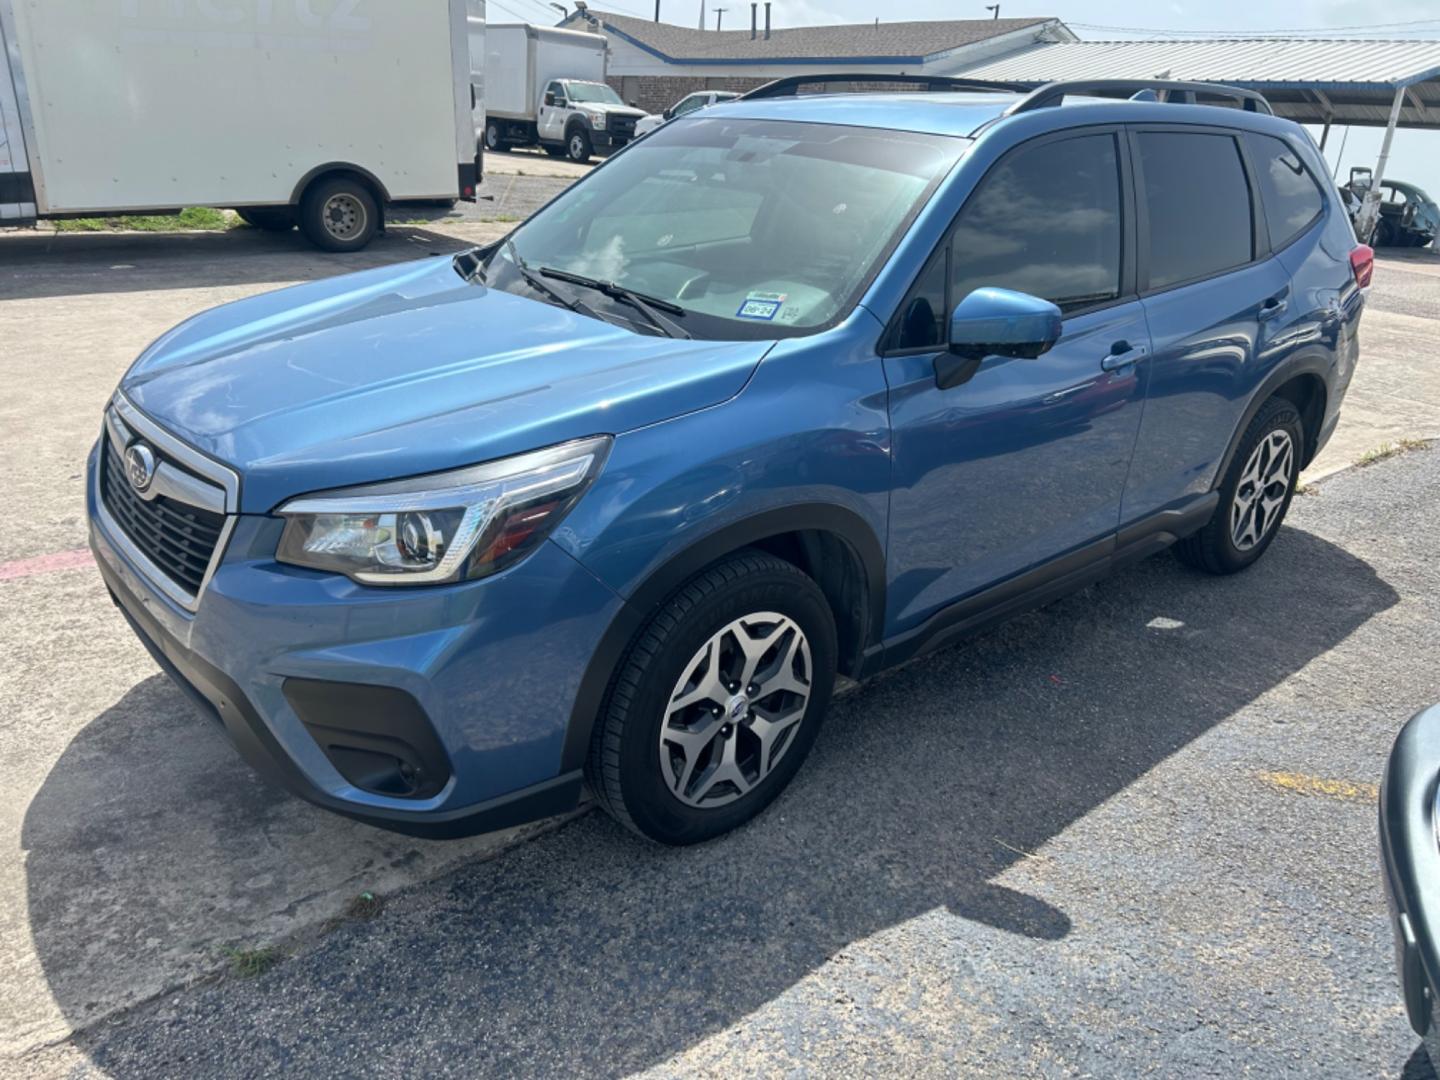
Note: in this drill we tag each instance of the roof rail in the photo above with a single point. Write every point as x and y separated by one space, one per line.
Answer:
790 85
1167 89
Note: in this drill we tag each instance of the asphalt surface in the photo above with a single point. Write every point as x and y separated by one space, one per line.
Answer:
1133 833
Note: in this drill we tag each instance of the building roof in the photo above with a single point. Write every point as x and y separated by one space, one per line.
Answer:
884 42
1351 81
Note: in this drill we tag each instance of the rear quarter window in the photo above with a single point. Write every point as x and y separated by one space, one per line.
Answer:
1292 196
1197 200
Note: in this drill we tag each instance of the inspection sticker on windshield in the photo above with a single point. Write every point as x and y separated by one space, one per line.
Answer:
761 305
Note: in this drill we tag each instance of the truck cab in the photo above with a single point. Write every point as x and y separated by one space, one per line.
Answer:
584 117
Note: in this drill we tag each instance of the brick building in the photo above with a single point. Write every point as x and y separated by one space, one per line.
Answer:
654 64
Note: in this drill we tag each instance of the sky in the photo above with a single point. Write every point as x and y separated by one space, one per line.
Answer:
1414 156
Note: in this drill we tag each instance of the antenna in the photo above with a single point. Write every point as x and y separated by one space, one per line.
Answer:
719 11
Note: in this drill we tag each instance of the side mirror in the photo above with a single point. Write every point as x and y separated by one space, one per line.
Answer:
995 322
668 114
633 104
549 97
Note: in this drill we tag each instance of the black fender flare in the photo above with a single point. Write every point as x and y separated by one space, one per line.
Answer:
662 581
1303 364
338 167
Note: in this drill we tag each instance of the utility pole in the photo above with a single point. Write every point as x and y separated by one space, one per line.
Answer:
719 11
995 8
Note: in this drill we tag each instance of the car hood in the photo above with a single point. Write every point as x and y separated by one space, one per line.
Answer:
408 370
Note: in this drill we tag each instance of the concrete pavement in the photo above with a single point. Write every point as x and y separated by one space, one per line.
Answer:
135 848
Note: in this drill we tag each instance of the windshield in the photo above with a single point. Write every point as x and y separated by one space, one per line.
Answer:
751 228
592 91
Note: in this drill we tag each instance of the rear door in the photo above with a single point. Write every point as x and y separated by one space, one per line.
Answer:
1216 302
1027 460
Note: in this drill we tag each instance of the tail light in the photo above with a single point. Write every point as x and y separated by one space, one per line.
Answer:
1362 261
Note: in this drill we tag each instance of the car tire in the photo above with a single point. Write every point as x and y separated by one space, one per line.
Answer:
577 145
269 218
339 214
1255 494
665 770
493 142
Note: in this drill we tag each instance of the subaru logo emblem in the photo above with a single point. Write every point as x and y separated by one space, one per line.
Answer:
140 466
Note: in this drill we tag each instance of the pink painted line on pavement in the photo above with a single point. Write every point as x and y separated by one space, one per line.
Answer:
45 564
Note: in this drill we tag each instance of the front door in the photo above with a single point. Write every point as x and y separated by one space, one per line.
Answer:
1027 460
554 108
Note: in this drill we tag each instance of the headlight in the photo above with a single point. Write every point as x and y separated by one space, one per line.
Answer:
444 527
597 119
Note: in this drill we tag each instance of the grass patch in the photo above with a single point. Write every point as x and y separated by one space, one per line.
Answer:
1389 450
502 219
251 963
192 217
365 906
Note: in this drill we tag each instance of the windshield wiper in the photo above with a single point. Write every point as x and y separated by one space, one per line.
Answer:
536 282
649 306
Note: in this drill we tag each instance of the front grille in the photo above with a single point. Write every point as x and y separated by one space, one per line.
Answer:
178 538
622 125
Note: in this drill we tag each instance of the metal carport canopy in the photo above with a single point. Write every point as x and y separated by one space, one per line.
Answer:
1313 81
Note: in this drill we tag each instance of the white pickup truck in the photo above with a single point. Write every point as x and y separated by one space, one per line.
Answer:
545 86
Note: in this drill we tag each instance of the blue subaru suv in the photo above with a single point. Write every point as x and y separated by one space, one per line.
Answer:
801 386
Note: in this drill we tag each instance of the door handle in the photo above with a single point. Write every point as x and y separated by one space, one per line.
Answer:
1122 354
1272 307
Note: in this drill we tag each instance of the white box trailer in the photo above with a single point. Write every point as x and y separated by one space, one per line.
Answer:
546 86
310 112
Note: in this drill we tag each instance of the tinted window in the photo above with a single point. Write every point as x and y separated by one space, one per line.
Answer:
1199 205
1291 196
920 322
1045 221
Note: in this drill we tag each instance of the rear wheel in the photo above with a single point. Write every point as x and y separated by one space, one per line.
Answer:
717 703
339 214
1255 494
493 141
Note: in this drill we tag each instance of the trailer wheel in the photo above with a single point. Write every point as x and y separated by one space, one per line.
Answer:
269 218
577 145
493 141
339 214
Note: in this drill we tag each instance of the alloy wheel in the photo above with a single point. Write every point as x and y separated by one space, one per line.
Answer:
735 709
1260 494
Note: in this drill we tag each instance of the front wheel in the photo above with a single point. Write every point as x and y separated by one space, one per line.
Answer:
339 214
717 703
577 146
1255 494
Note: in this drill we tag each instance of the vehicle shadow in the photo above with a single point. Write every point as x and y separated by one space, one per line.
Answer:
45 264
596 954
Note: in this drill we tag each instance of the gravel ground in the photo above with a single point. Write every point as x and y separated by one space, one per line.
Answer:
1133 833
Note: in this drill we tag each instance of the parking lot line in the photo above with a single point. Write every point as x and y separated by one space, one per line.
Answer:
45 564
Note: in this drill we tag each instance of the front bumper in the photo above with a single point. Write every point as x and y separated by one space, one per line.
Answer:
493 667
1410 855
